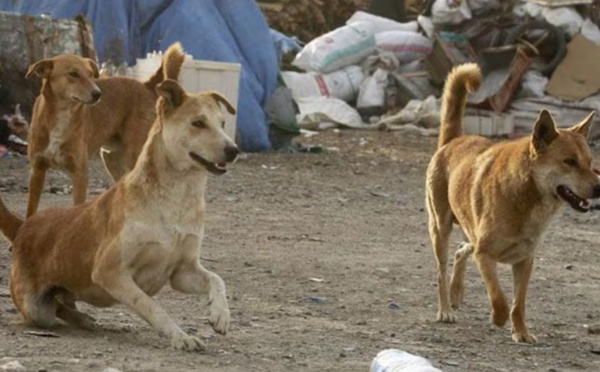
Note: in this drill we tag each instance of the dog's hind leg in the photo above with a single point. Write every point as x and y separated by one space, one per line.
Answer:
440 228
521 275
457 287
39 309
487 268
114 164
67 311
192 277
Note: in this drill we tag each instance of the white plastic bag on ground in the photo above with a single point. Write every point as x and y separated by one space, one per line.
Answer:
344 46
447 12
591 31
407 46
565 18
316 110
528 8
426 25
533 85
343 84
372 90
381 24
424 113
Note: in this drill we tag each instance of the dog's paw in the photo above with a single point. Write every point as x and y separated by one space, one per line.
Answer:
219 317
446 317
499 316
456 296
187 343
524 337
87 323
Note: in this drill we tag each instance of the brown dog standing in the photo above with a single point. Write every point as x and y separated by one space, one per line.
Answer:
76 114
143 233
502 196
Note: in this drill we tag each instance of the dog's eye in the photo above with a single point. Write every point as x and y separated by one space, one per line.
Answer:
223 124
73 74
199 124
571 162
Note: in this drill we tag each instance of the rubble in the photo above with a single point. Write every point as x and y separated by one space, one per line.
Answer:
308 19
521 47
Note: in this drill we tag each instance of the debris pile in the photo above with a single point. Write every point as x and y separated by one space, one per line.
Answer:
308 19
372 72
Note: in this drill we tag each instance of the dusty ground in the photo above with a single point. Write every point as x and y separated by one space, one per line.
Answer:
355 219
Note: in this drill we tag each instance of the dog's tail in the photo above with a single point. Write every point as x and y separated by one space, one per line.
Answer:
9 222
170 67
463 79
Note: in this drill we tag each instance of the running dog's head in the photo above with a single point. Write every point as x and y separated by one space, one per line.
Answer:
68 77
563 161
192 128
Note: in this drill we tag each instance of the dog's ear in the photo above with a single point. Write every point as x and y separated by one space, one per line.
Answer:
221 99
94 67
41 68
585 125
544 131
172 92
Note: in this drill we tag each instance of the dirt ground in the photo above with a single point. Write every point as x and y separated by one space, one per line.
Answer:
327 261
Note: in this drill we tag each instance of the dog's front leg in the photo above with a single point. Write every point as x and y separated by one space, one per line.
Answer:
487 268
80 182
521 274
122 288
191 277
37 177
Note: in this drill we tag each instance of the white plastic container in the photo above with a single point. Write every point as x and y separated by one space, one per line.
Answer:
394 360
198 76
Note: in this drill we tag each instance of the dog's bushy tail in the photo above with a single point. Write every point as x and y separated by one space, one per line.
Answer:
463 79
9 222
170 67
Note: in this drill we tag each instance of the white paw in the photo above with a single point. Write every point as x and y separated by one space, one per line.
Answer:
219 316
524 337
187 343
446 317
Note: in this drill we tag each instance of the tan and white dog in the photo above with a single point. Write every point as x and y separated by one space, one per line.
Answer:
77 114
502 196
143 233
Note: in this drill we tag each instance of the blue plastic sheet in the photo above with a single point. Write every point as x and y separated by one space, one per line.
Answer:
215 30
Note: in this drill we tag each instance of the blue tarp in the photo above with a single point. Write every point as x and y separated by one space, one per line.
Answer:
216 30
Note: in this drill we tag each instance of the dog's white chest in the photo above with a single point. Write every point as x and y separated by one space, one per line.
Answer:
57 138
154 262
158 239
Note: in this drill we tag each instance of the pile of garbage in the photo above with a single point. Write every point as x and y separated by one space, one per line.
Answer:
376 73
308 19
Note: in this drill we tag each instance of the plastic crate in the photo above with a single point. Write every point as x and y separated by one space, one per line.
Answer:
199 76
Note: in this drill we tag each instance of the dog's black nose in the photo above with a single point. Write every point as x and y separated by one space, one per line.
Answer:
96 94
597 192
231 152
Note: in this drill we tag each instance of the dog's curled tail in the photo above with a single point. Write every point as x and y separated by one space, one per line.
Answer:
170 67
463 79
9 222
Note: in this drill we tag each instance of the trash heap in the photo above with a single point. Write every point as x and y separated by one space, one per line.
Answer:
376 73
308 19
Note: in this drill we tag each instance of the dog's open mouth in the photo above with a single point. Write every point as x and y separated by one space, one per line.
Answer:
216 168
576 202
